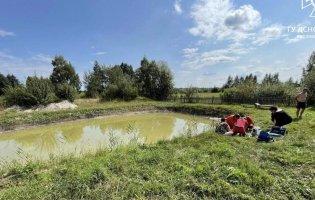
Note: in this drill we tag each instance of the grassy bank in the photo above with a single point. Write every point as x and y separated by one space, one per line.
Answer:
207 166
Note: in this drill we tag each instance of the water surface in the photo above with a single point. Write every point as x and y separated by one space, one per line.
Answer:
82 136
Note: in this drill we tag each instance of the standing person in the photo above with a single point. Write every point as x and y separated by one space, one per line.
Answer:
279 117
301 103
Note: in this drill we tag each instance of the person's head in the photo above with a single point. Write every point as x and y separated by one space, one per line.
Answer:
237 116
222 119
273 109
305 90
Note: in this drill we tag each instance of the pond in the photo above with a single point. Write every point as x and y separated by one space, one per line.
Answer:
83 136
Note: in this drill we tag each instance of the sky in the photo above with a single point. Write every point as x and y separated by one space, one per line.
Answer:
203 41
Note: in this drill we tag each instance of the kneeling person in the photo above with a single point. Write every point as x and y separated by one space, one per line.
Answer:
223 127
240 126
279 117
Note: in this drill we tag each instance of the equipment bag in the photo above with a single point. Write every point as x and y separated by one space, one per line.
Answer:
264 137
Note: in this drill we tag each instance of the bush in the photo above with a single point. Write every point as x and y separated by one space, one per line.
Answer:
66 92
275 91
215 90
19 96
239 94
42 89
263 93
121 87
190 93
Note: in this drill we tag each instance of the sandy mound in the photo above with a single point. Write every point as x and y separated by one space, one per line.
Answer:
58 106
64 105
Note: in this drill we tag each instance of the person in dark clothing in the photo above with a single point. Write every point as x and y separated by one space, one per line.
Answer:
279 117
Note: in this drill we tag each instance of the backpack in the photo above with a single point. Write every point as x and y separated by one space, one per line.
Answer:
264 137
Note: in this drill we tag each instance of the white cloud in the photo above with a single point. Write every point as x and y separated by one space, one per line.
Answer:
195 60
42 58
100 53
186 78
4 33
268 34
189 52
178 7
245 18
39 64
220 20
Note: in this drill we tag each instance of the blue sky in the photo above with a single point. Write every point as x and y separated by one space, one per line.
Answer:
203 41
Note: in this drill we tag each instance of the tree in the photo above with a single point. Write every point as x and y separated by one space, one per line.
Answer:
4 83
229 83
271 79
154 79
126 69
13 81
95 81
308 79
64 73
311 63
236 81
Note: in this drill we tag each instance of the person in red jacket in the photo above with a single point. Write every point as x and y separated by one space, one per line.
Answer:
240 126
231 120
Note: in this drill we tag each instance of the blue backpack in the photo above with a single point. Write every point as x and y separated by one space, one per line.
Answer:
264 137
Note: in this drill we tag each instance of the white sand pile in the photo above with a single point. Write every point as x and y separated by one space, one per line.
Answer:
58 106
64 105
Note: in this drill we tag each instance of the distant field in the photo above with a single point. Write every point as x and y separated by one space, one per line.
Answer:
208 94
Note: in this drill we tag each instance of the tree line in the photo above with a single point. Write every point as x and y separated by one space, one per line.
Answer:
152 79
248 88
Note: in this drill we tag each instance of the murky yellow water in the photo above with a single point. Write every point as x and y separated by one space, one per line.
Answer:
83 136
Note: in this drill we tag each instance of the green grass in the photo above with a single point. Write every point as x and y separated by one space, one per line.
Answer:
207 166
208 94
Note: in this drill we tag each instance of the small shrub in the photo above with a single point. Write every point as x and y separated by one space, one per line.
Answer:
190 93
66 92
42 89
19 96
